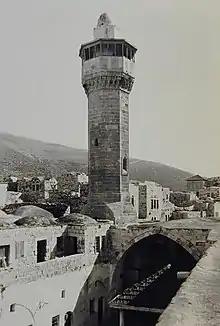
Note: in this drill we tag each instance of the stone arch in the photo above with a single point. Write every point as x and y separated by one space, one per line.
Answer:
168 233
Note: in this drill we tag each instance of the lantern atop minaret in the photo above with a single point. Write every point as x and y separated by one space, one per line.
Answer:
104 28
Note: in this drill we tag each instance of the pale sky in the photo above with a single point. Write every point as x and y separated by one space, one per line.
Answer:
175 102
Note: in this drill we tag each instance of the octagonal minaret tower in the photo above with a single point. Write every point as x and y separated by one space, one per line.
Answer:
107 78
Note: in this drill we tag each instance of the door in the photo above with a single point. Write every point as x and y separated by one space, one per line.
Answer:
100 309
41 250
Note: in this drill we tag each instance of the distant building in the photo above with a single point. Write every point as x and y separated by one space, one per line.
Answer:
50 185
213 192
217 208
195 183
3 194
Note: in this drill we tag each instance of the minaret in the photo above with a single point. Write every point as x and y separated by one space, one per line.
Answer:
107 78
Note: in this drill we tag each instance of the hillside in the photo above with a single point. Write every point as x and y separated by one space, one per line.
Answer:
23 156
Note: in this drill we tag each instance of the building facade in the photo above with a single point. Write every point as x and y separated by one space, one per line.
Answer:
151 201
195 183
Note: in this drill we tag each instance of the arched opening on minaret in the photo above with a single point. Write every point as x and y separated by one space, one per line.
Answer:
96 142
125 164
132 200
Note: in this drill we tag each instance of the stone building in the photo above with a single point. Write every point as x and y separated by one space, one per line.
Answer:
44 265
151 201
195 183
213 192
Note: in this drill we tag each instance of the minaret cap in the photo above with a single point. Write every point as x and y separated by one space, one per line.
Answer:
103 20
104 28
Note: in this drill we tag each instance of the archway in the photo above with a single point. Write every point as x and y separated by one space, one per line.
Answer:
141 260
68 319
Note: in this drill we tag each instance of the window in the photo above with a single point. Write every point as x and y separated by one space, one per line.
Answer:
41 250
97 244
4 256
132 200
60 244
86 54
125 164
96 142
98 50
63 294
92 52
152 204
155 204
19 249
12 308
125 51
119 50
91 306
111 49
56 320
103 242
70 246
157 201
104 49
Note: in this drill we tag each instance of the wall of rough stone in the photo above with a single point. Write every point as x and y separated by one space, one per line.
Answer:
108 124
30 236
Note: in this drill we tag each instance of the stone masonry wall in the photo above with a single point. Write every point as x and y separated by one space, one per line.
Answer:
108 143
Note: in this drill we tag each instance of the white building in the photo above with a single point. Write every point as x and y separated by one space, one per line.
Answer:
217 209
49 186
3 194
151 201
47 272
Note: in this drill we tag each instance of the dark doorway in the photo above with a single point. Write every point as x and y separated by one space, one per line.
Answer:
41 250
4 256
68 319
70 246
100 309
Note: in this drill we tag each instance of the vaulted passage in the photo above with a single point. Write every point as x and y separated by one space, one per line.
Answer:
141 261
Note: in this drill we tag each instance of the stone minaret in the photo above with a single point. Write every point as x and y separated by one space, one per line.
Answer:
107 78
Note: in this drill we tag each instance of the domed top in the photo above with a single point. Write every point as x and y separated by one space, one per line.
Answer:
33 211
8 221
76 218
103 20
34 221
98 210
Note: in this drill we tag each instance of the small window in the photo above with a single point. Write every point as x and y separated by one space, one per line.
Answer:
56 320
12 308
19 249
111 49
152 204
125 164
96 142
103 242
132 200
63 294
155 204
97 244
104 49
60 244
86 54
125 50
91 306
98 50
119 50
92 52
